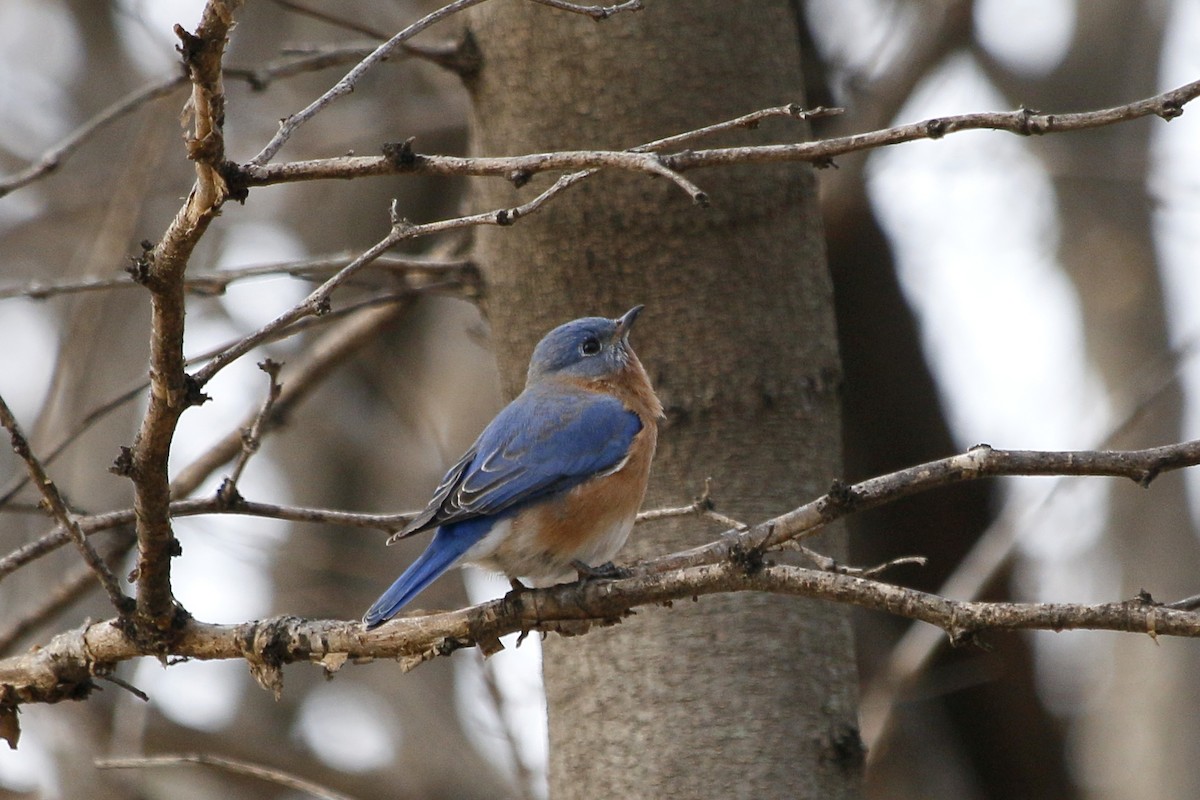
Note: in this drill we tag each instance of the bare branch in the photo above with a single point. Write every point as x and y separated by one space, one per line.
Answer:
1024 122
317 303
331 19
346 85
221 503
70 589
53 158
253 434
415 272
64 668
236 766
595 12
58 507
161 270
981 461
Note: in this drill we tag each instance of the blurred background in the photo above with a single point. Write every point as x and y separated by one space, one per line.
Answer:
1029 293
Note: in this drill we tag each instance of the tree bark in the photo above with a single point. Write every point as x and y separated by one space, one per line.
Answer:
738 695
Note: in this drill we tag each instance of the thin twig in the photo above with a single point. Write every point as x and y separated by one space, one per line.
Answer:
70 589
595 12
58 507
821 152
317 302
981 461
346 85
235 766
221 503
53 158
134 392
415 272
331 19
252 436
751 120
702 506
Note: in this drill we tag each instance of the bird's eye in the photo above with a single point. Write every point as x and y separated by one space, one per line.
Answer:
590 346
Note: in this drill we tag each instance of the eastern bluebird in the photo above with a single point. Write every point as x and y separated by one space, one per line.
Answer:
553 484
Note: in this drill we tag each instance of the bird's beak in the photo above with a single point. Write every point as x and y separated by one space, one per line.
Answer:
626 320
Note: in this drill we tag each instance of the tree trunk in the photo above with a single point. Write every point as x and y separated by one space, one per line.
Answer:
744 695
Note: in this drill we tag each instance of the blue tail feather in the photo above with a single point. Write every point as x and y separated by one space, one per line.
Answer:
449 543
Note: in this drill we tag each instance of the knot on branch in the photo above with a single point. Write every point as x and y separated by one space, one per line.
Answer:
154 635
844 748
139 267
237 185
190 46
268 645
124 464
967 637
936 128
1147 476
192 392
1169 108
749 560
401 154
841 497
229 497
1028 123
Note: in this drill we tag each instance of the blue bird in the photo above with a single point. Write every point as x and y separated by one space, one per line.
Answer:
555 480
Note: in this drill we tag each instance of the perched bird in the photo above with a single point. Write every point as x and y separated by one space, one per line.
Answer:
552 485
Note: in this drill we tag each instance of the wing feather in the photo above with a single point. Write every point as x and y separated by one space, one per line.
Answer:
549 439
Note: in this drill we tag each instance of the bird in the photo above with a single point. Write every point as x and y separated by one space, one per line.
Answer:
551 487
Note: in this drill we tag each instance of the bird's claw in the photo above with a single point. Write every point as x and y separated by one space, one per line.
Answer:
607 571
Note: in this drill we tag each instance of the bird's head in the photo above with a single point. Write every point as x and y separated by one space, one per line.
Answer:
591 348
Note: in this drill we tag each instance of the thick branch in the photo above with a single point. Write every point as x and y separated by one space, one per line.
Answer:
161 270
64 668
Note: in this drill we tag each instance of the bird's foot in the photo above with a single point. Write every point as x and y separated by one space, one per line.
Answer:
607 571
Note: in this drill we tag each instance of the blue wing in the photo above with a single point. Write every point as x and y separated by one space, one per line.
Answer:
549 439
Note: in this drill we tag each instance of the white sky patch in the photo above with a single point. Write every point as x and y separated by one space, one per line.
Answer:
253 303
342 725
147 30
31 768
862 36
236 392
30 336
203 695
518 675
1175 185
972 218
1029 36
36 72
